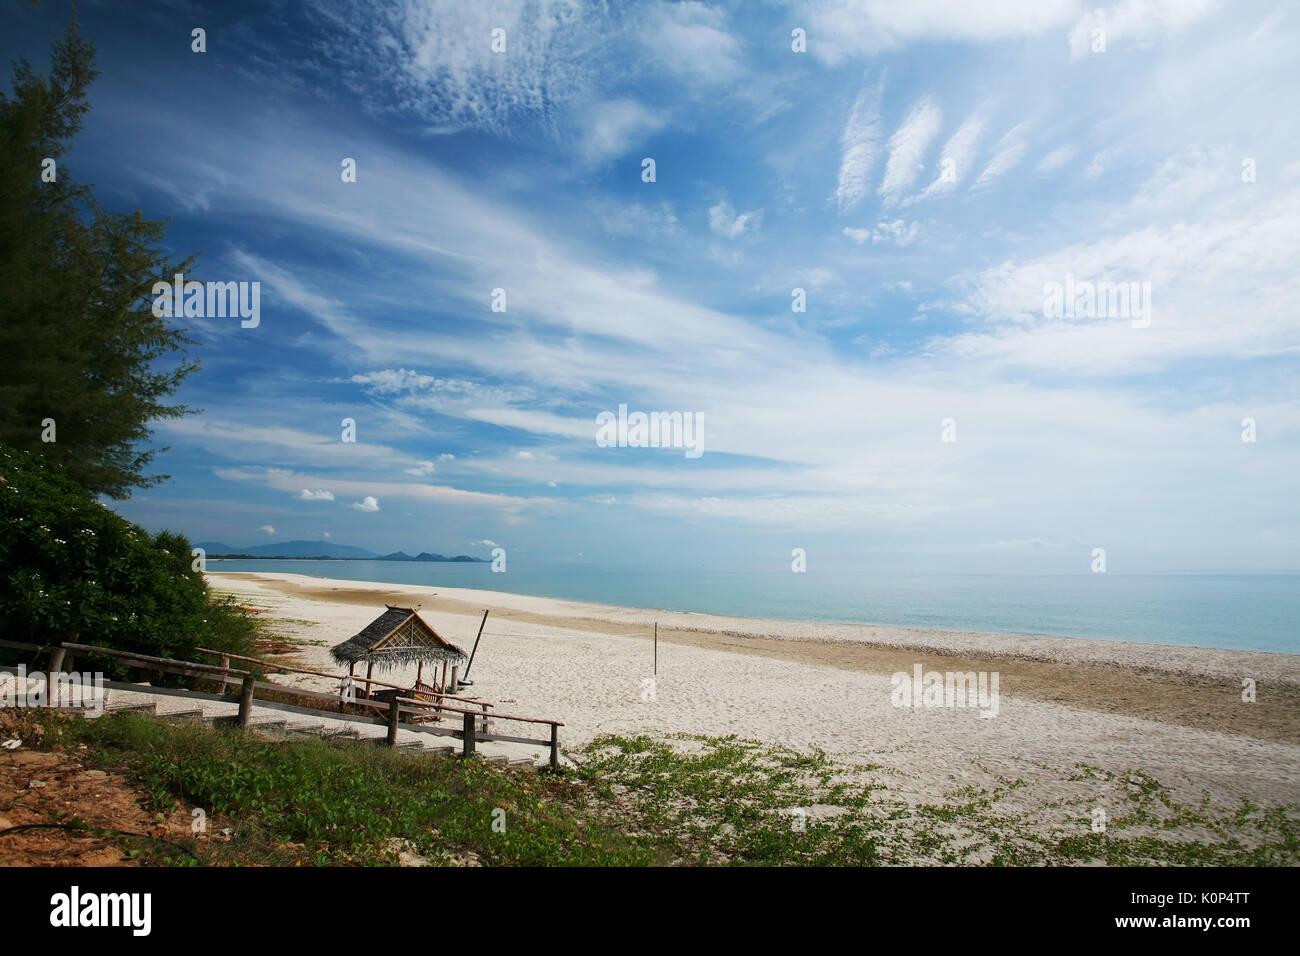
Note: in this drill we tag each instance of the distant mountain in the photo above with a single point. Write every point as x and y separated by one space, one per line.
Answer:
426 556
287 549
317 549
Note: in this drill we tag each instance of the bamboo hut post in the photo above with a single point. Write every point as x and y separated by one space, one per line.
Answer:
370 672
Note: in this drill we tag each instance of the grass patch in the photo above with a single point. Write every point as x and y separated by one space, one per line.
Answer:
312 802
728 800
638 800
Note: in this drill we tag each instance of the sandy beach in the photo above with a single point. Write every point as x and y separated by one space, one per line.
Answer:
1175 713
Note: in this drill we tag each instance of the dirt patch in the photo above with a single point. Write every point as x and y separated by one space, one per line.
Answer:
94 808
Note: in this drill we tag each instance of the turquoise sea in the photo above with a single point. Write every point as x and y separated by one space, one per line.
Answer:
1243 611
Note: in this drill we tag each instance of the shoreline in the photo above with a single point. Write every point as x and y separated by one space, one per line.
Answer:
1187 686
788 625
1191 660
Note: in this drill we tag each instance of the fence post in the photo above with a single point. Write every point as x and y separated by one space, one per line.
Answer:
52 679
225 678
555 746
468 734
246 700
394 715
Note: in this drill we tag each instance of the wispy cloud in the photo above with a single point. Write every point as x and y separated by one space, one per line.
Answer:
726 222
957 158
1007 154
859 147
907 148
1136 22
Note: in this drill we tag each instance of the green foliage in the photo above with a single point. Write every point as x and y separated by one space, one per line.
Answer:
636 800
79 342
322 803
72 570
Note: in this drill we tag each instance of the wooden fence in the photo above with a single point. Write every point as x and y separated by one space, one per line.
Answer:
387 714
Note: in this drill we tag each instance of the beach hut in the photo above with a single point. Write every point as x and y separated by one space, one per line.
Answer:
398 637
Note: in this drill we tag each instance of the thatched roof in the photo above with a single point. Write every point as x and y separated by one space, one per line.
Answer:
398 636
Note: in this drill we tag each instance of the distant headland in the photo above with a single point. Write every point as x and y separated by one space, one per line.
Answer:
319 551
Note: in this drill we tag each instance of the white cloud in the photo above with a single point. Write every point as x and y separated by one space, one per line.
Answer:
435 58
840 29
1006 155
368 503
1136 22
724 220
897 231
1056 159
267 529
421 469
1099 163
957 158
692 41
319 494
859 147
614 127
907 148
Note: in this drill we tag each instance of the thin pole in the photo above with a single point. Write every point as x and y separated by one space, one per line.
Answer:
656 648
476 640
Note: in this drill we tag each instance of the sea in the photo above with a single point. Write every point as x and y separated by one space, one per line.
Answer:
1257 612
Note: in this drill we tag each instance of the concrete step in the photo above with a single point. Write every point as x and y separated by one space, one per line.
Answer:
305 730
522 763
275 729
148 709
182 716
439 751
499 760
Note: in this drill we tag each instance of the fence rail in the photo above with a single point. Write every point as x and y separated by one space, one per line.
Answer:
391 711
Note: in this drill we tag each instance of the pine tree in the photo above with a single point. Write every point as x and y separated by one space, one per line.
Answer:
79 343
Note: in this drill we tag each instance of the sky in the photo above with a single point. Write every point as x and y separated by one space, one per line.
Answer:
923 172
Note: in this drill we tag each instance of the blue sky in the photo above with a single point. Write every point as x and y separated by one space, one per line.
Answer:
775 170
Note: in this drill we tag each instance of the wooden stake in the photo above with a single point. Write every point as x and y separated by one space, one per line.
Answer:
394 714
246 699
656 648
476 640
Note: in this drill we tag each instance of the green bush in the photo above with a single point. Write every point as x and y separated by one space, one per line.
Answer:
72 570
